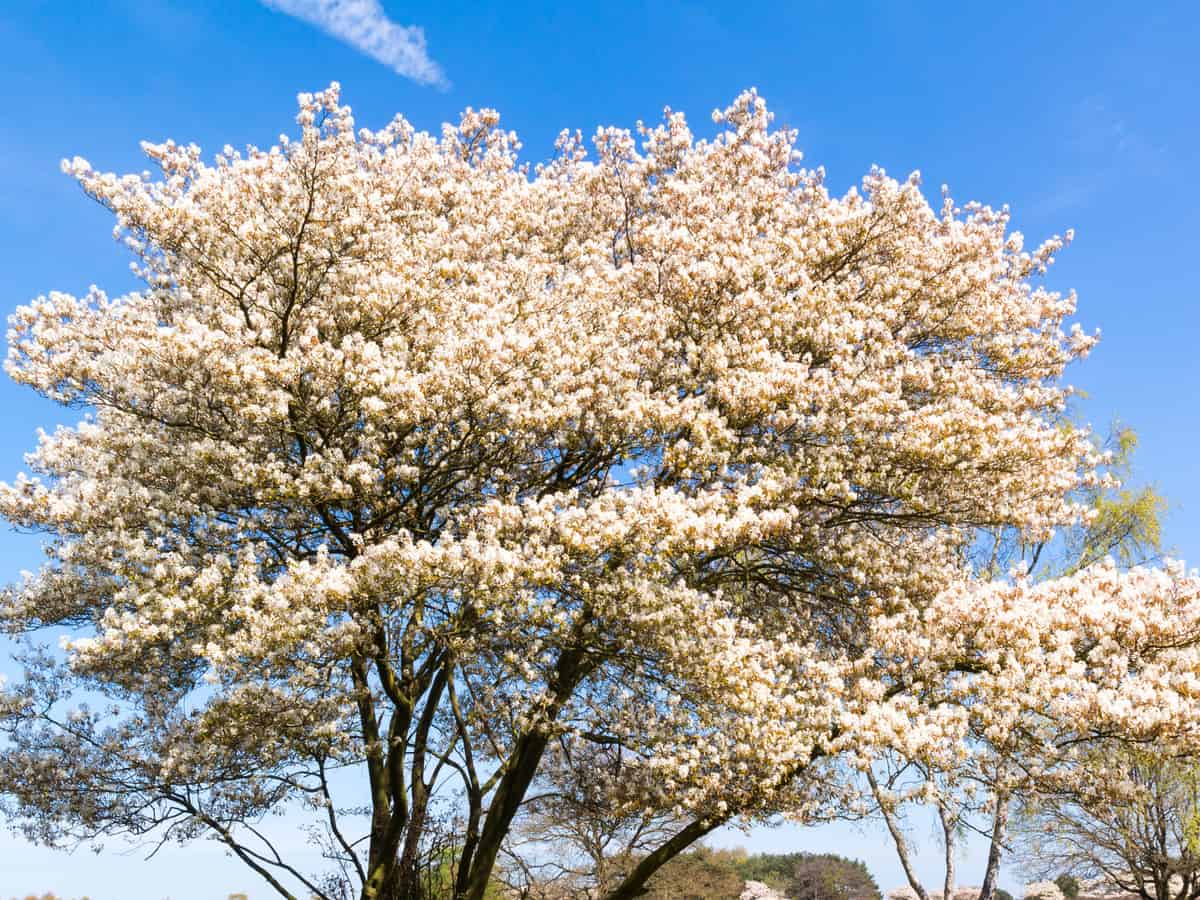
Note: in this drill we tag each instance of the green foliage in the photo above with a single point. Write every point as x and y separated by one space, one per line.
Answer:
707 874
1127 522
703 874
1069 885
812 876
1124 523
439 869
1190 779
1002 894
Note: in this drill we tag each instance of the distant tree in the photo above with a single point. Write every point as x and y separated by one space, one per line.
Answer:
1042 890
1135 824
1069 885
812 876
569 837
701 874
756 890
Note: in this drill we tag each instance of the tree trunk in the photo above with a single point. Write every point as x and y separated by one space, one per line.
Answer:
949 824
523 765
634 884
898 838
999 826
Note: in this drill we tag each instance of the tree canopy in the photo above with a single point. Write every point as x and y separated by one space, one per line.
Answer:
409 461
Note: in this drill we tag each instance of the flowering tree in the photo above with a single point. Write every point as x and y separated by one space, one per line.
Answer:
408 461
1132 826
1004 768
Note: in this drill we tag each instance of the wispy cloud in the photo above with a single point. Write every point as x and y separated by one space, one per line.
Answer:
364 25
1103 132
1103 146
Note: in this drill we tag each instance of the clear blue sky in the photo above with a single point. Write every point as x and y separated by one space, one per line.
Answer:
1077 114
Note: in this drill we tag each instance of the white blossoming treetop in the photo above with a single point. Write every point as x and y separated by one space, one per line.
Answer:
408 461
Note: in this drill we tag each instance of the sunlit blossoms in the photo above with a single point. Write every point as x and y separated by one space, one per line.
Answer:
409 462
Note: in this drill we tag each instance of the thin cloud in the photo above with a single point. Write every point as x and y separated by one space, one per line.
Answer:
1103 147
364 25
1103 130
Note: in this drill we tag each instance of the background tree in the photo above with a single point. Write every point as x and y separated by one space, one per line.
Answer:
408 461
570 839
1124 524
1069 885
812 876
1136 826
699 874
1042 890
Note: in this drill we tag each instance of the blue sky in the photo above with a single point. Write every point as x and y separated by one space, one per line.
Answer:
1076 114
